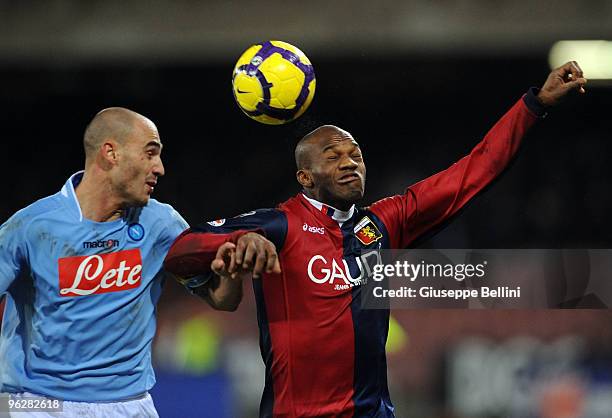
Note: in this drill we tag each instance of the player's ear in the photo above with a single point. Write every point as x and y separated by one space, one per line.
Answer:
108 153
304 177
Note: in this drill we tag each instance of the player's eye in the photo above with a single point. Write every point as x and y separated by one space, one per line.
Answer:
357 156
332 157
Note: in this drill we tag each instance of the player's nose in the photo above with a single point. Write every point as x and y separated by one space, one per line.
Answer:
158 168
347 163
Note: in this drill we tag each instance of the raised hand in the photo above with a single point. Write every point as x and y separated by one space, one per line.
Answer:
560 82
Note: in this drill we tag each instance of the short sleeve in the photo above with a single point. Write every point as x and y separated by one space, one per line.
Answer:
12 251
177 223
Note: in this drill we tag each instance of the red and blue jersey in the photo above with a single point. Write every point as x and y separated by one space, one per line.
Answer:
324 353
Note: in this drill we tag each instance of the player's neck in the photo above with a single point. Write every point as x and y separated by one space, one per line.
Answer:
96 200
339 206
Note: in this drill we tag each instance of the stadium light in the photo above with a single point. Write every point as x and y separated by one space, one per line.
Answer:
594 57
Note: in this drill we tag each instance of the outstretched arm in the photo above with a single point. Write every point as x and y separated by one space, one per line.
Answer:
437 198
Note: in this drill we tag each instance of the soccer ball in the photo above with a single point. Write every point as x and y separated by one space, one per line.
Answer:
273 82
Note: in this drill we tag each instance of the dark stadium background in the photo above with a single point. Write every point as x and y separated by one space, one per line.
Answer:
412 115
414 112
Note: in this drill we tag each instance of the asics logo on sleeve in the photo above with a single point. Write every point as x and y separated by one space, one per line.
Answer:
100 273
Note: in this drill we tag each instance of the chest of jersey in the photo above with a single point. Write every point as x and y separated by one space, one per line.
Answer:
74 260
325 259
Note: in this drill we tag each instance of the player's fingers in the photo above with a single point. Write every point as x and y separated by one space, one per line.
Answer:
271 257
232 262
218 267
570 71
224 249
240 247
260 261
224 254
577 84
576 70
564 69
249 253
277 267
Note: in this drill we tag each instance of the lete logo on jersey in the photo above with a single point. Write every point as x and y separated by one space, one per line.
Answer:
100 273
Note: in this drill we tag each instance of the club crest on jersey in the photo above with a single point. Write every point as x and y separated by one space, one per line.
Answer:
366 231
216 222
136 231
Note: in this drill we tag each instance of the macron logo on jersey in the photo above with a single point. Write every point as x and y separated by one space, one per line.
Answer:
109 243
100 273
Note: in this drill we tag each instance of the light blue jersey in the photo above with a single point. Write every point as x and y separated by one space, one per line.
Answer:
80 298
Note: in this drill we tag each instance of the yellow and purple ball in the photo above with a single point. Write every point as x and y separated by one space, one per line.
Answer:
273 82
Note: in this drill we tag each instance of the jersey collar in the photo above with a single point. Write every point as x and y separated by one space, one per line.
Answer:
68 192
336 214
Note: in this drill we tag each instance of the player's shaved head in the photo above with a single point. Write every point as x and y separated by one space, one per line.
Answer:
116 123
330 167
313 140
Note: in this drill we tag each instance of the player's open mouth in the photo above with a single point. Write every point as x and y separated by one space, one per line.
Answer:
349 178
151 185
